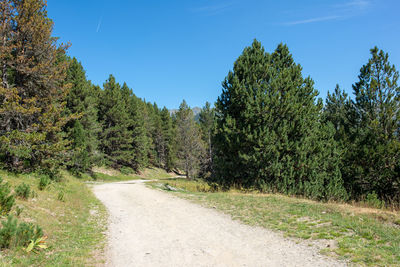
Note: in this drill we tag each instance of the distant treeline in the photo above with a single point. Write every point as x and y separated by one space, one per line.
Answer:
268 130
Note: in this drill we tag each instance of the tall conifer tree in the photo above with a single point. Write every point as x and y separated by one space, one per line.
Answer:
340 113
158 137
82 100
375 162
188 136
168 139
139 144
206 120
32 88
268 133
116 137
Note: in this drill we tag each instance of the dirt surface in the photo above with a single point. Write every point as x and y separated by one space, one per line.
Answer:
152 228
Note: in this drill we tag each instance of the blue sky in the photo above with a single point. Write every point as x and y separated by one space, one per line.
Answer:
167 51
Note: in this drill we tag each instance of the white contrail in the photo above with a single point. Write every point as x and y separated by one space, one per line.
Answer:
99 24
312 20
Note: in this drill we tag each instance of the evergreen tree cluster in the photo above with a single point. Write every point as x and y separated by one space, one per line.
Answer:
367 130
51 116
268 130
32 88
121 130
272 133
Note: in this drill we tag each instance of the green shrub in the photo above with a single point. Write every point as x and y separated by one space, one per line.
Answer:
61 196
33 194
126 170
26 232
23 191
373 201
7 232
214 187
52 173
7 200
13 234
18 210
44 182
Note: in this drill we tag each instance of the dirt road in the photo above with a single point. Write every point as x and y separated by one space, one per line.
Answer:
153 228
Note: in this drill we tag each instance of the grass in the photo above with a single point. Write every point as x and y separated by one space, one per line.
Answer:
74 224
107 178
155 173
361 235
103 174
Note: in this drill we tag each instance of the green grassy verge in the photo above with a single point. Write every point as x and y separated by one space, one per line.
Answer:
107 178
74 225
103 174
361 235
155 173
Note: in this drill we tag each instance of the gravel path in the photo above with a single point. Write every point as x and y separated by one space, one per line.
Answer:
152 228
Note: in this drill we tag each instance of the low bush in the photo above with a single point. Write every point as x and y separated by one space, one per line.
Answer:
13 234
126 170
53 173
18 210
7 232
44 182
23 191
61 196
192 185
7 200
372 200
34 194
26 232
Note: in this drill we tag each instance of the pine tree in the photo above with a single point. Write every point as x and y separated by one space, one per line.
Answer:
158 138
139 144
116 138
32 88
80 160
82 100
339 111
163 138
168 139
206 120
375 160
188 139
147 141
268 131
149 114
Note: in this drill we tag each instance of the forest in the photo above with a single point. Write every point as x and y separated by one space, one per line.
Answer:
268 130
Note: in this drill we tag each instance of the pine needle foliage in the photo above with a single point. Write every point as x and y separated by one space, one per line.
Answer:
116 137
188 136
32 88
367 128
83 132
268 132
7 200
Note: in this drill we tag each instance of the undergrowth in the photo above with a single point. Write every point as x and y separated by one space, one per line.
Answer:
60 225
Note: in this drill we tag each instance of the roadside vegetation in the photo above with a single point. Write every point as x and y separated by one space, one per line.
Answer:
72 221
357 233
268 131
106 174
71 218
